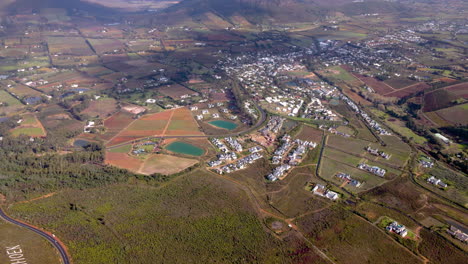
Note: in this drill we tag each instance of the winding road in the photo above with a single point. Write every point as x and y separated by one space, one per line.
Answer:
56 243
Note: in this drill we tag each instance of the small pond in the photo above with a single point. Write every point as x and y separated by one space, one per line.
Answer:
185 148
224 124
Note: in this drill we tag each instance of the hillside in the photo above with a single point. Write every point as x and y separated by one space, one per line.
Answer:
286 11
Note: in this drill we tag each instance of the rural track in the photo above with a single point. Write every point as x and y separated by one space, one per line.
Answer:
55 242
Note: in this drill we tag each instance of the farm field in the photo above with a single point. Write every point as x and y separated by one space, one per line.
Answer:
175 91
116 123
57 121
23 91
399 83
101 108
69 46
438 99
30 126
102 46
34 248
12 104
409 90
459 89
456 115
310 134
378 86
399 127
124 161
205 217
166 164
173 122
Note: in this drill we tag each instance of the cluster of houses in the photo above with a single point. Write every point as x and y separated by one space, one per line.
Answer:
372 169
397 229
274 125
212 115
223 157
294 157
229 156
426 163
220 145
278 173
234 144
371 122
347 177
239 164
285 104
376 152
137 149
458 234
315 110
437 182
89 126
322 191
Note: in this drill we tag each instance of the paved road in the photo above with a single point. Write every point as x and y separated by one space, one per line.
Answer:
260 121
51 239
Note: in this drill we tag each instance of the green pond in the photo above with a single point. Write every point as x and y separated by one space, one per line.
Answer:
184 148
224 124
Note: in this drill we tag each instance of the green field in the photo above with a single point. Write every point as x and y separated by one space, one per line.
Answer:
7 98
195 218
122 149
28 131
35 249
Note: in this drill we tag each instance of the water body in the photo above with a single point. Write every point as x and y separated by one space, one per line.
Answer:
80 143
185 148
224 124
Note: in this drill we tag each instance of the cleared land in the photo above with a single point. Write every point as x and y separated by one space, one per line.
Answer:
166 164
101 108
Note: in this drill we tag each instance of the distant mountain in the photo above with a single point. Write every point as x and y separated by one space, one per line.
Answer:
15 6
281 10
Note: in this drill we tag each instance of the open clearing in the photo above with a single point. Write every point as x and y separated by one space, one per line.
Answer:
101 108
166 164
